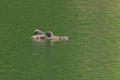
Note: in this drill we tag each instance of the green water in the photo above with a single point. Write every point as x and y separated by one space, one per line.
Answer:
91 53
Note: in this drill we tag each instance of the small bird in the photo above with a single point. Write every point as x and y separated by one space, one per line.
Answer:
38 35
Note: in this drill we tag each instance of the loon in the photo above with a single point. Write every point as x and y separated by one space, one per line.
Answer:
53 38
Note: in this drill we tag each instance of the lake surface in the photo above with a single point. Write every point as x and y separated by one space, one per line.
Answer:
91 53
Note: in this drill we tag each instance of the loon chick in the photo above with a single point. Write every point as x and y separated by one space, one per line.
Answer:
38 34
